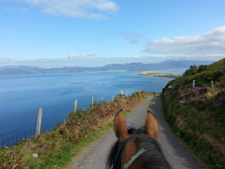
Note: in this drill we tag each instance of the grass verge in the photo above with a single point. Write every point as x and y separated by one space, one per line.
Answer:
151 102
197 114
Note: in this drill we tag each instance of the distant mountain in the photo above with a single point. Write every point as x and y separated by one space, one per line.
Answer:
169 64
137 66
11 70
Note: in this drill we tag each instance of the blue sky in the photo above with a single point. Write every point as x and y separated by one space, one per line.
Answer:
58 33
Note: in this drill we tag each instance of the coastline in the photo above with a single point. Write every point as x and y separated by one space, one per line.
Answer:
155 74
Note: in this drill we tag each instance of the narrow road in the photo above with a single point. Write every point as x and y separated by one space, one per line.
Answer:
175 151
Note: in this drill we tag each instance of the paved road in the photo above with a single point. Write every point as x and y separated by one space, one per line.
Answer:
175 151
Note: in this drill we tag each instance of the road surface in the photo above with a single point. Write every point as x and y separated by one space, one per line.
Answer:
174 150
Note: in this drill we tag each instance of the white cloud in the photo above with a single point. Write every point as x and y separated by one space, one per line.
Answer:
81 55
209 44
84 62
68 62
75 8
132 37
16 9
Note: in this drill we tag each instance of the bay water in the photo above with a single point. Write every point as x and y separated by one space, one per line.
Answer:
22 95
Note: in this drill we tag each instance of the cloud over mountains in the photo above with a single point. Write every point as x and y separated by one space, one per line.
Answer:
81 55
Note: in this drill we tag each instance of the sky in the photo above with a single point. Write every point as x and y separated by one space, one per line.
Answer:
88 33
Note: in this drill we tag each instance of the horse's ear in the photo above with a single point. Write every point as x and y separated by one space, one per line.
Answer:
151 125
120 127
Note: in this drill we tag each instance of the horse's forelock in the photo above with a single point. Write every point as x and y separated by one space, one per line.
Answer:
141 130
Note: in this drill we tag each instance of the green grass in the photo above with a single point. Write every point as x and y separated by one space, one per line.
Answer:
199 122
69 151
151 102
63 157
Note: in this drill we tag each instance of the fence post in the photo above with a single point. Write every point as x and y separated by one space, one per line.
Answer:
92 101
102 98
75 106
121 92
193 85
112 97
38 127
126 94
212 84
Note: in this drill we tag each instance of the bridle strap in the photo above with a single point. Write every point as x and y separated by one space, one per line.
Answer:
134 158
119 152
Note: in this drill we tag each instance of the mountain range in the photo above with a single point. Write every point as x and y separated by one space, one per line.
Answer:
137 66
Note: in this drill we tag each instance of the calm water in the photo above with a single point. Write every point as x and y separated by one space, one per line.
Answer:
21 96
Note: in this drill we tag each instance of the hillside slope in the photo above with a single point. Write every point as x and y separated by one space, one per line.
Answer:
197 114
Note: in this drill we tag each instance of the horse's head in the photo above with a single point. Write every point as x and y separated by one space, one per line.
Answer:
136 148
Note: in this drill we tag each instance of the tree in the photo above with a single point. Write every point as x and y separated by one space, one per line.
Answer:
191 71
202 68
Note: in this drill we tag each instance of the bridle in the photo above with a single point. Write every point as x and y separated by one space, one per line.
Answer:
117 161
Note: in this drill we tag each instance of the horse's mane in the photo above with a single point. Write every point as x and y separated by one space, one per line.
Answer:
153 157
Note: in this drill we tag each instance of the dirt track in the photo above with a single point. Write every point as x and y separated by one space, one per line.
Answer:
175 151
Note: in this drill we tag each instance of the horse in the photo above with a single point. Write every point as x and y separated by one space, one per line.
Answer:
136 148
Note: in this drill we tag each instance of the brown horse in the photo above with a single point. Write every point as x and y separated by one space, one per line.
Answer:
136 148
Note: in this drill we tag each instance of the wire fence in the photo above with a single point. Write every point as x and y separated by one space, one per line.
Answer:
14 135
48 122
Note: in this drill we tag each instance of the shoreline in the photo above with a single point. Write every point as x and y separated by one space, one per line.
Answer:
155 74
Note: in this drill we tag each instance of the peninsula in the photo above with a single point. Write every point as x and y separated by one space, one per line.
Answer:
155 74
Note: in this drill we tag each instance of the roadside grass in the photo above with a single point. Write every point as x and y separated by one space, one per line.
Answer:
151 102
84 142
197 114
69 151
56 148
201 131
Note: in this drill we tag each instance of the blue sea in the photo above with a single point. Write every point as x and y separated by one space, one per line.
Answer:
22 95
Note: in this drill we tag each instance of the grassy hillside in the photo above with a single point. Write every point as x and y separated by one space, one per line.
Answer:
197 115
56 148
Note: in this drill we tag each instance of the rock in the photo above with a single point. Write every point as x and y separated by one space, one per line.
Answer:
35 155
182 103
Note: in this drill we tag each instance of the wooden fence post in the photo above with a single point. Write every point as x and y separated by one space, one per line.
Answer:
75 106
212 84
112 97
102 98
92 101
38 127
193 85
